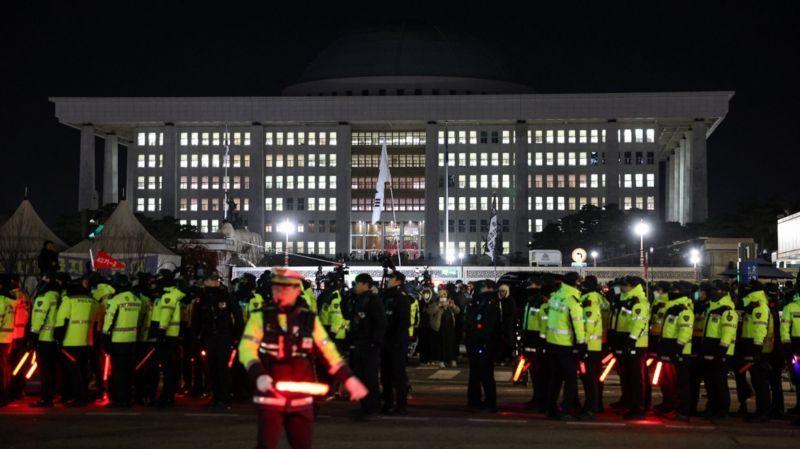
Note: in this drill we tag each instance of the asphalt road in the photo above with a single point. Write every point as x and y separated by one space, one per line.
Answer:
438 419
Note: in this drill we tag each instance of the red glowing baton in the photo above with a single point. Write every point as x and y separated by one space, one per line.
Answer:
232 358
21 362
309 388
31 370
657 373
203 353
582 368
107 368
520 368
607 370
144 360
650 362
607 358
69 356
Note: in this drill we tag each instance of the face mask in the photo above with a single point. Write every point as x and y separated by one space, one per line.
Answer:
617 290
696 296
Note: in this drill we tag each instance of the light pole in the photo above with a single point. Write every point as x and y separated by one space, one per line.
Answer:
461 260
286 228
594 255
641 229
694 258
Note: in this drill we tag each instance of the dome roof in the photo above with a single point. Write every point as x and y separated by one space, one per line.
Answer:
400 56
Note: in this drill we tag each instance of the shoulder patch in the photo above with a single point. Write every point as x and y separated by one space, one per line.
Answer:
686 318
588 313
166 300
730 317
39 303
758 314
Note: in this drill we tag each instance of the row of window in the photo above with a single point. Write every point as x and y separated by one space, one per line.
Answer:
395 160
149 182
299 182
310 204
302 247
567 136
396 204
486 181
150 160
150 139
213 182
291 138
474 203
400 182
214 160
300 160
594 158
592 181
202 225
213 138
211 204
463 137
311 226
144 204
565 203
470 247
390 138
486 159
463 225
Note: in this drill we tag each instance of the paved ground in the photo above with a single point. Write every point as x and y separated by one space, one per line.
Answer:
438 420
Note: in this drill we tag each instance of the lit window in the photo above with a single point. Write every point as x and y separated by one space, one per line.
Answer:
571 160
184 139
538 203
651 180
582 160
639 135
538 159
594 136
627 181
268 138
560 158
550 203
473 159
560 203
473 137
582 136
651 135
639 179
538 136
550 136
651 203
538 225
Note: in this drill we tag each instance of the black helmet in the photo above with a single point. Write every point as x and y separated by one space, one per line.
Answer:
590 283
120 281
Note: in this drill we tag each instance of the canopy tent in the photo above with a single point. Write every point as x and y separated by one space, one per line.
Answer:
764 270
21 239
125 239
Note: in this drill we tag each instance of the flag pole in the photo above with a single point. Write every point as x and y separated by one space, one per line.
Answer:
396 224
446 194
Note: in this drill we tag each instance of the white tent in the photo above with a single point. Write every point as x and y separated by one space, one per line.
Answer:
21 239
126 240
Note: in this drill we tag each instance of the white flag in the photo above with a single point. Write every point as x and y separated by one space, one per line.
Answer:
491 238
383 177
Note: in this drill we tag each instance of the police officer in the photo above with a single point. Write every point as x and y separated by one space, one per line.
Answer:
531 342
397 305
73 327
717 346
217 323
367 317
756 322
675 348
482 328
120 329
165 327
630 323
566 344
43 320
7 308
146 368
790 338
276 347
592 303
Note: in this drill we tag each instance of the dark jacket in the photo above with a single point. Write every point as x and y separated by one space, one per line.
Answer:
397 304
367 318
482 324
48 261
217 315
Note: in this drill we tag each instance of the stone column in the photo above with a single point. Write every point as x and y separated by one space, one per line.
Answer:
677 180
87 194
432 190
169 187
686 181
519 223
344 191
255 221
699 172
111 170
668 188
612 164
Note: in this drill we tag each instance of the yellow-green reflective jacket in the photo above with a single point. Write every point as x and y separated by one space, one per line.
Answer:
76 313
167 311
678 325
721 323
122 317
790 320
593 320
43 317
565 317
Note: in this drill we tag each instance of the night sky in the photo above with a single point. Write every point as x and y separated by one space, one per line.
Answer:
229 48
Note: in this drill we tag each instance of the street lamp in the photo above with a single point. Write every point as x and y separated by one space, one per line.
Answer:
461 260
594 255
642 228
286 227
694 258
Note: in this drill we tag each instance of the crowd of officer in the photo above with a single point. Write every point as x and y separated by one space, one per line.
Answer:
673 336
146 340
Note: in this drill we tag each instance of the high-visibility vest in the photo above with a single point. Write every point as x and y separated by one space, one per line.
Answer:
593 320
122 318
8 306
77 313
565 325
43 317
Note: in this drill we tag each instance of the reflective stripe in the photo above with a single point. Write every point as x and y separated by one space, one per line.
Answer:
47 328
124 329
594 337
251 338
559 331
282 401
79 322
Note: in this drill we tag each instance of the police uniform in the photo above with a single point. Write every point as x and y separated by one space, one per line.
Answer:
674 350
482 327
717 347
630 323
217 323
165 327
790 338
146 368
279 343
74 323
592 304
7 314
397 305
43 320
120 328
566 343
756 326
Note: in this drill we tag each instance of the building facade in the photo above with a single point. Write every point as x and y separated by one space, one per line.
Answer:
310 156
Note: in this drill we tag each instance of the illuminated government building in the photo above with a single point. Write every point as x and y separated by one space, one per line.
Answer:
311 155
